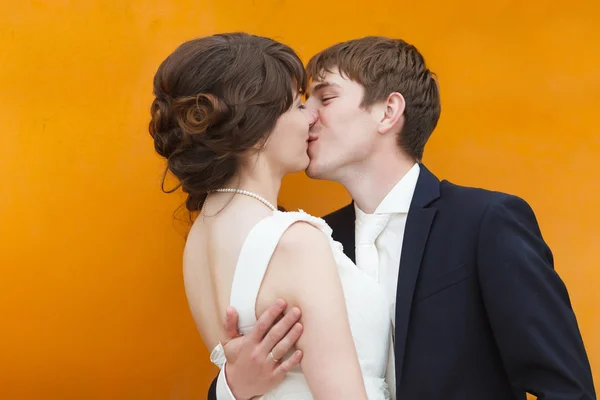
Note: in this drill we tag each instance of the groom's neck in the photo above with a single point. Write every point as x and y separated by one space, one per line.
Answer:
368 184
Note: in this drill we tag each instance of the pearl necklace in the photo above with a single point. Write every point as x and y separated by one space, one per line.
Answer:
247 193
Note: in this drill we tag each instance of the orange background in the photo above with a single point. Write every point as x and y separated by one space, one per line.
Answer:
91 296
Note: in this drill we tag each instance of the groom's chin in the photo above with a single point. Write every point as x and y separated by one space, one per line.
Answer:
312 171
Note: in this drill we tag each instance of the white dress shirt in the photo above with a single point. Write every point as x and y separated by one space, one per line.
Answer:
389 243
389 248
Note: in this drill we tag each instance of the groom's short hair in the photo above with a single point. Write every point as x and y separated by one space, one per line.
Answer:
382 66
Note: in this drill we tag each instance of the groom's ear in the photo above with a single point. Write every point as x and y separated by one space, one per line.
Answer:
393 113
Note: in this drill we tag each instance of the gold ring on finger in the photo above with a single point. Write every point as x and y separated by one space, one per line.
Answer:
273 357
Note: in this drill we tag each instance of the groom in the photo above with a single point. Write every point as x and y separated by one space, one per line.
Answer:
477 308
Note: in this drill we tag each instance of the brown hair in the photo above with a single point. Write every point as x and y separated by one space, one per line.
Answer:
216 98
383 66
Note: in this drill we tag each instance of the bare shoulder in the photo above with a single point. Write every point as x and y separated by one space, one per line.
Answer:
302 253
303 240
301 269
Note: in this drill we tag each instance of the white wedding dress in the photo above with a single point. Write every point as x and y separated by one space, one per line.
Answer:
365 301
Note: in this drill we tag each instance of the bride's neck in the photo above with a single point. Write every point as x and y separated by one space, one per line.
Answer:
258 182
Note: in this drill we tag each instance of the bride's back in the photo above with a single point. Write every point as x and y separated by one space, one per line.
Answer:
210 258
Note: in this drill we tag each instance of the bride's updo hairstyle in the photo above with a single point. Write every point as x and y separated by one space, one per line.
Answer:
216 98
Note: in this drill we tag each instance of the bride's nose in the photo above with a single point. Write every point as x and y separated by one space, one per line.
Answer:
312 115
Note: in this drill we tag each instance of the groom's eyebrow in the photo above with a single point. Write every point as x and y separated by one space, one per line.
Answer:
321 86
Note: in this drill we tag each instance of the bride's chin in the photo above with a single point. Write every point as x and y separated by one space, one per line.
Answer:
300 166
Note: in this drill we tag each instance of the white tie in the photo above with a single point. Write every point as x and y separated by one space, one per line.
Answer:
368 229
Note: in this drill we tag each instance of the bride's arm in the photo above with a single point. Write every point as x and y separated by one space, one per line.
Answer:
303 271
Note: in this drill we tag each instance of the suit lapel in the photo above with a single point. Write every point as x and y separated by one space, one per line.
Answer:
418 223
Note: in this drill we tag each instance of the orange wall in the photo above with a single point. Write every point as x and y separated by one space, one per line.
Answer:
91 296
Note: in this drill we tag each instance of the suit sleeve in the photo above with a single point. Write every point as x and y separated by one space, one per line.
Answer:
528 306
212 390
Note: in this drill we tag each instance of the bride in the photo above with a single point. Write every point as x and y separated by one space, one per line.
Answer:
229 119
